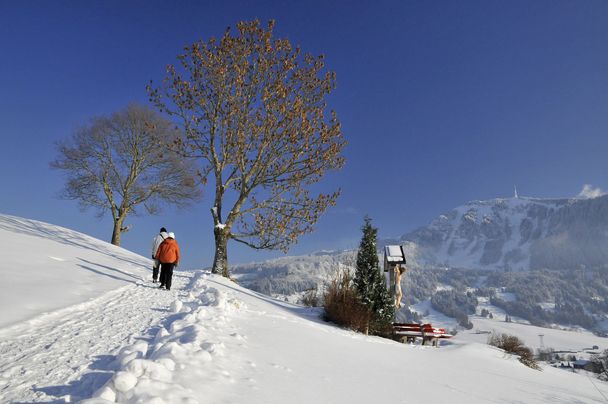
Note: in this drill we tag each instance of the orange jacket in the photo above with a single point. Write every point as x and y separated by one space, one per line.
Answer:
168 252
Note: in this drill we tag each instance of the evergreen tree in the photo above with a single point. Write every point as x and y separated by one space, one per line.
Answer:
383 307
367 263
369 280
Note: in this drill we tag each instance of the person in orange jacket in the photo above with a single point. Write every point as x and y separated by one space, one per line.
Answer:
168 256
159 238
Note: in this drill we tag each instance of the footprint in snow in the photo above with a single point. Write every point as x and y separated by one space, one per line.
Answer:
238 336
285 368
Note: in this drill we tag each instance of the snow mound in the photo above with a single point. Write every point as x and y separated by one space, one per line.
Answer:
153 373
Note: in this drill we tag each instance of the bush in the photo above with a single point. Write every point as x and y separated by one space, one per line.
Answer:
311 298
463 321
343 306
405 315
512 344
600 363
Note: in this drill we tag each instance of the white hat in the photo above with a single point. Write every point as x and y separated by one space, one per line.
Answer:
171 234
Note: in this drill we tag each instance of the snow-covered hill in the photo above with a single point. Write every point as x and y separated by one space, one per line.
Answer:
209 340
517 233
289 277
47 267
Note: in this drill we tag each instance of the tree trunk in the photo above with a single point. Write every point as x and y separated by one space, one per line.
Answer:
117 230
220 261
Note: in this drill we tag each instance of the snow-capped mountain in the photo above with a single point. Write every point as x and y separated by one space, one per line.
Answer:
507 233
517 233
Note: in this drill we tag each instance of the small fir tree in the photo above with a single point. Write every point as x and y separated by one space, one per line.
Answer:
367 262
369 281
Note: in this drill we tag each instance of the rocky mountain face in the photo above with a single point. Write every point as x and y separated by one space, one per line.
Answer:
518 234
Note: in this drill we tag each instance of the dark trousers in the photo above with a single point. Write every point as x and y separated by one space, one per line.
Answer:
155 267
166 274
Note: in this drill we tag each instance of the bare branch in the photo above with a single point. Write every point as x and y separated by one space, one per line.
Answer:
121 161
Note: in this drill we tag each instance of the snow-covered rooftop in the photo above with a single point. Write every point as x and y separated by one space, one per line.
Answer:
394 253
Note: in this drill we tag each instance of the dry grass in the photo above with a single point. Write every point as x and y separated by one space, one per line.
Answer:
342 304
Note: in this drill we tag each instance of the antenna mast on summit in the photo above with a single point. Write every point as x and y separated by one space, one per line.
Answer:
516 195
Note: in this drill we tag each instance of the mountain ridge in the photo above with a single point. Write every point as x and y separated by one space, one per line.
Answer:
519 233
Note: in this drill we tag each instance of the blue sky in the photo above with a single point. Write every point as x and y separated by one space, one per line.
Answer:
442 102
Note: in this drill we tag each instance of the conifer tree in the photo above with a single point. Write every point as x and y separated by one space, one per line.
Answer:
384 304
367 263
369 280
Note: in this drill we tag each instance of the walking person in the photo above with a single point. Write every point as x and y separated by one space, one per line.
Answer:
158 239
168 256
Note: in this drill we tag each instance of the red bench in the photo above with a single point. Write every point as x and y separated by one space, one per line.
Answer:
408 332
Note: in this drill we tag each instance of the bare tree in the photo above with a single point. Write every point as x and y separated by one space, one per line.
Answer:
254 114
121 161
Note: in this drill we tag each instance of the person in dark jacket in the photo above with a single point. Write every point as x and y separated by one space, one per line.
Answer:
168 256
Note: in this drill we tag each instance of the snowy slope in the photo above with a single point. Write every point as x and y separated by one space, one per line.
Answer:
234 345
47 267
69 301
212 341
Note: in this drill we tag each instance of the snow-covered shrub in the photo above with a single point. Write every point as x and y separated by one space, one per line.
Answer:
311 298
600 363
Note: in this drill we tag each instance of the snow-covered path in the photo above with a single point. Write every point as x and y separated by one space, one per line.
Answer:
77 345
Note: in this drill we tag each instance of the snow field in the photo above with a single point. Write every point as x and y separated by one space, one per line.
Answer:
231 345
181 351
110 335
575 340
68 353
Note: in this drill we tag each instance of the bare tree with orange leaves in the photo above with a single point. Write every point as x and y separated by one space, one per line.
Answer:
254 114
